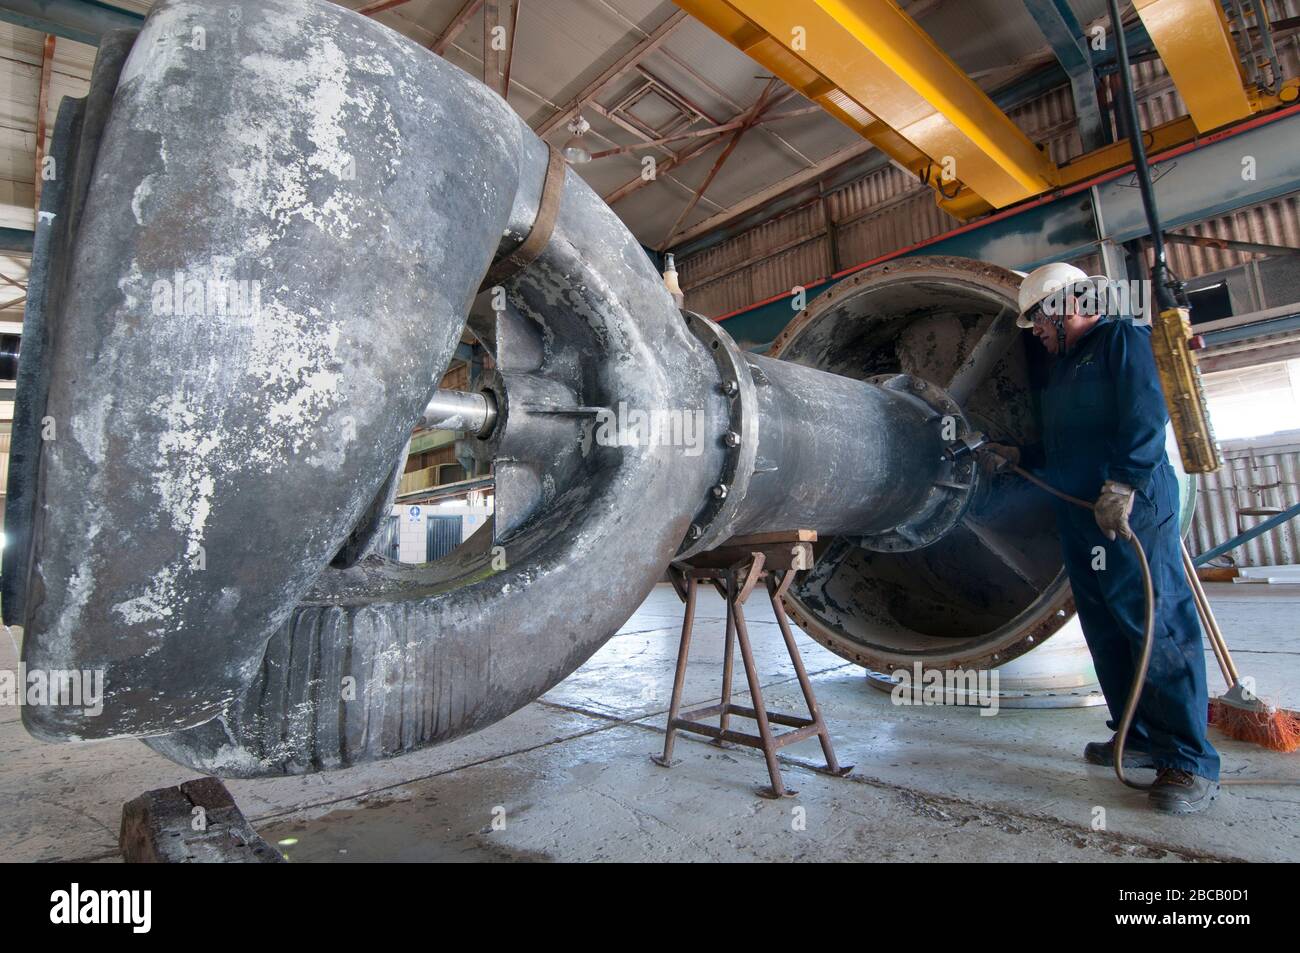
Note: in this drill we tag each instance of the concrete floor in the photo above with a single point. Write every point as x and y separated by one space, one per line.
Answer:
569 777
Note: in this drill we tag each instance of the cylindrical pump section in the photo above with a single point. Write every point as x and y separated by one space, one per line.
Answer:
809 449
840 456
992 586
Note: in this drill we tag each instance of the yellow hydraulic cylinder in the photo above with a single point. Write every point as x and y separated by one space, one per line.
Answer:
1180 378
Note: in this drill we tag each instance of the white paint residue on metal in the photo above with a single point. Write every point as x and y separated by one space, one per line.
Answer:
140 196
155 605
277 174
185 482
79 588
298 363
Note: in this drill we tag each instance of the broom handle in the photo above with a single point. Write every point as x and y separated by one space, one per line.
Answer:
1198 596
1210 623
1225 663
1212 630
1219 640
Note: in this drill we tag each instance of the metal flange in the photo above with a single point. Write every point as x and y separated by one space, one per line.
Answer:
713 521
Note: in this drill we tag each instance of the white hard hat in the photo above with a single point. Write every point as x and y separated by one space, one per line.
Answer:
1047 280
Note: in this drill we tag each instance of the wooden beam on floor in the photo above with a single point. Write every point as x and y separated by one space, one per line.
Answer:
196 822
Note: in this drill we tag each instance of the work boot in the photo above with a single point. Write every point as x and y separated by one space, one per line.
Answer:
1180 792
1103 753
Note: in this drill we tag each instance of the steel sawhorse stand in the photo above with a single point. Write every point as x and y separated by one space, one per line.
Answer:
734 569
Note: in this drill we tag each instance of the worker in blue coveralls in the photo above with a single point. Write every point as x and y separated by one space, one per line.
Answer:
1103 426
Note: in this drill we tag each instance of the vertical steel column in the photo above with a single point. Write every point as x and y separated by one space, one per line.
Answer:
1061 28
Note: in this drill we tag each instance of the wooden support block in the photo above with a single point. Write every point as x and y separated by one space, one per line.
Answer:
1216 573
195 823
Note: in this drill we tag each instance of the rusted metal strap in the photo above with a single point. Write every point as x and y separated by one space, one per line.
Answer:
503 269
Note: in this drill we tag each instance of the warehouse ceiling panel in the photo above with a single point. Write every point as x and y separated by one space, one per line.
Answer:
753 161
563 46
654 215
636 70
697 48
990 35
810 134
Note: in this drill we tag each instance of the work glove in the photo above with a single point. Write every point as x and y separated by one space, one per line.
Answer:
996 456
1112 509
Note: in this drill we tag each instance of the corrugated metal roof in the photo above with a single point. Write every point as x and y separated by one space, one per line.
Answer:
984 35
565 44
21 53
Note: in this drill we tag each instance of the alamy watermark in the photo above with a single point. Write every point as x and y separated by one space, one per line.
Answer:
64 688
75 906
1103 297
661 427
206 294
946 686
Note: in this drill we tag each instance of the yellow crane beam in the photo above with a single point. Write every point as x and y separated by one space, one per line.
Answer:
868 64
872 67
1195 42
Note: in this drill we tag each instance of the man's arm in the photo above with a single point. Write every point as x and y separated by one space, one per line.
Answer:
1137 445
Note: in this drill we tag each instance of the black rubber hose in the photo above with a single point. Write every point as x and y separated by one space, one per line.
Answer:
1148 630
1165 298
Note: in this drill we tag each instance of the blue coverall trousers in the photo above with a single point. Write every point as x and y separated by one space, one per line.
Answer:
1171 720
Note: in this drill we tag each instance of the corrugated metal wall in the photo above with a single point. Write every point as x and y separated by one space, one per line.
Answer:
389 543
1274 223
888 209
444 535
1258 478
793 248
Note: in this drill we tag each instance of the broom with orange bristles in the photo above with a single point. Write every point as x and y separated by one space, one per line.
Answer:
1239 713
